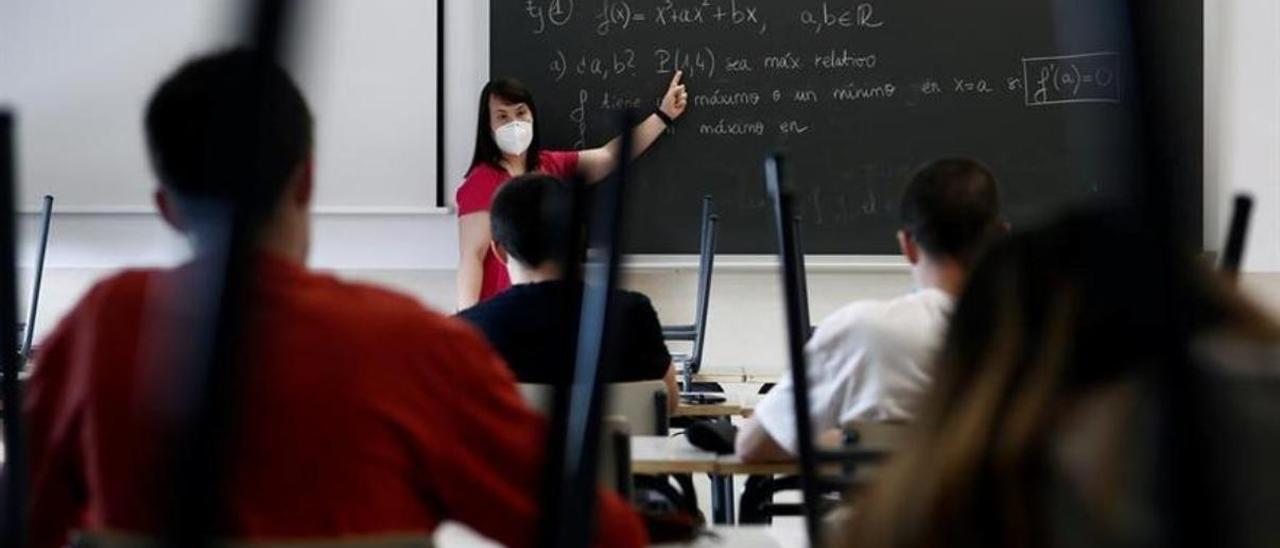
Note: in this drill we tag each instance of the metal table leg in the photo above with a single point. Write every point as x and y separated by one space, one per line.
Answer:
718 516
729 502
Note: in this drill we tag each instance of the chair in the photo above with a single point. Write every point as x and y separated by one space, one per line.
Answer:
802 280
642 403
802 289
100 539
1237 235
690 364
46 217
635 408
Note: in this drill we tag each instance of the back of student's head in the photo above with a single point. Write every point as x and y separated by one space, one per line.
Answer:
951 208
227 122
528 219
1050 323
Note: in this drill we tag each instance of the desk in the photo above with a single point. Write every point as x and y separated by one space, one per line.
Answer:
453 535
737 378
670 455
748 536
675 455
659 455
733 465
733 405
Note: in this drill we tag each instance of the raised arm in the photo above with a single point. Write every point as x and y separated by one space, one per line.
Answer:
595 164
473 244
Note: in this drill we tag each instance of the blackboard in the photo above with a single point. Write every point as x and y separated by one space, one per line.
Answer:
857 92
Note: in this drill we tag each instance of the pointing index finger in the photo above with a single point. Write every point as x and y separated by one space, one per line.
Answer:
675 80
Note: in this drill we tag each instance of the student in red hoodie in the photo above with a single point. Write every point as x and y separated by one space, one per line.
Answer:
361 412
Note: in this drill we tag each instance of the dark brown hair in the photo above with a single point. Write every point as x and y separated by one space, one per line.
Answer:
1048 318
951 208
235 109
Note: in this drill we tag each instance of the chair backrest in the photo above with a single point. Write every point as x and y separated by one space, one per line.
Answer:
1237 235
643 404
46 217
798 330
100 539
706 264
615 456
615 446
803 281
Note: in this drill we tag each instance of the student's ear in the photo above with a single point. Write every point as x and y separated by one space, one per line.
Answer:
910 249
169 210
305 183
498 251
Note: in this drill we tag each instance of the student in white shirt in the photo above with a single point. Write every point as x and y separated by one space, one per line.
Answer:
873 360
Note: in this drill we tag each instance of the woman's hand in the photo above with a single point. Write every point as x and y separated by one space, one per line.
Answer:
596 163
676 100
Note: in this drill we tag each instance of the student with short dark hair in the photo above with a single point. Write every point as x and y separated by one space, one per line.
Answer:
873 360
361 412
529 323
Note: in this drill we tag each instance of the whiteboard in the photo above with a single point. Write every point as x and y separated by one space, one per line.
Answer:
79 73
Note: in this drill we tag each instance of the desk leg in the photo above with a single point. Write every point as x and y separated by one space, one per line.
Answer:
717 500
729 510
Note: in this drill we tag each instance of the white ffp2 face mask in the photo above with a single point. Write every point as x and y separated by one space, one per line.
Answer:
515 137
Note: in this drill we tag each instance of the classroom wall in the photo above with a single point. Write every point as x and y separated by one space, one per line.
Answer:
403 242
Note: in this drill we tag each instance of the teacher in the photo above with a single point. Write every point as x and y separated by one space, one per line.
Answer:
508 145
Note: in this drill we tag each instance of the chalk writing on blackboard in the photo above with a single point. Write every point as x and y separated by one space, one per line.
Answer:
1084 78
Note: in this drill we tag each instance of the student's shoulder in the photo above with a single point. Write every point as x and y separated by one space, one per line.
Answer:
126 285
108 301
855 314
636 302
634 298
871 317
367 306
487 312
483 173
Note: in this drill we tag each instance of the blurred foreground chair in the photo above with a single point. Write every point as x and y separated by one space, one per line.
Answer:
122 540
690 364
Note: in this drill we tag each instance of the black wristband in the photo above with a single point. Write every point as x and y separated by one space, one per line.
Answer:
663 116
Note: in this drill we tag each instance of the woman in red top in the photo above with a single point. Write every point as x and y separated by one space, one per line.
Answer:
507 145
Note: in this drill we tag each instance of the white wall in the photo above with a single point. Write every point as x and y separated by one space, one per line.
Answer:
80 73
1242 122
403 243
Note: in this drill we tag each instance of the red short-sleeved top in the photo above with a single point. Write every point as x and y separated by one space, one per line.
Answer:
476 194
361 413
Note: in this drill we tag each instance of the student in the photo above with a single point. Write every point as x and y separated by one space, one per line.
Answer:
508 144
362 413
872 360
1050 420
528 323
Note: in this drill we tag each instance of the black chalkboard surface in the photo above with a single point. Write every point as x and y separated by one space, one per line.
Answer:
857 92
